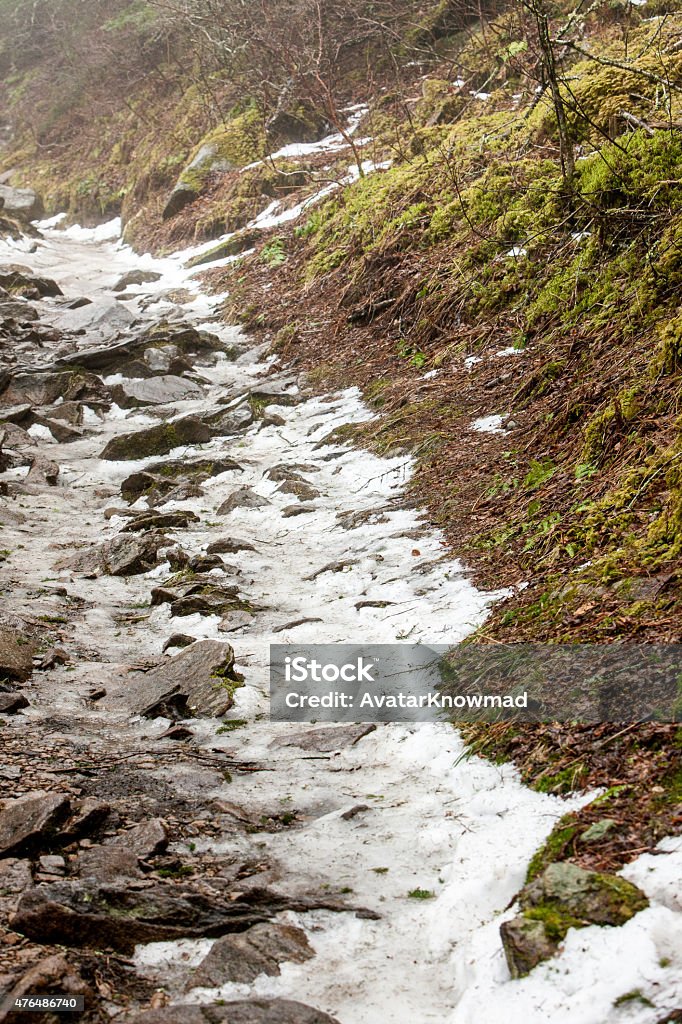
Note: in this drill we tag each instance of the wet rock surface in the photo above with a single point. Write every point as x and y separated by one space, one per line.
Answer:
259 950
565 896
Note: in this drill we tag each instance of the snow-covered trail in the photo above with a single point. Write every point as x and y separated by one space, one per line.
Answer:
425 817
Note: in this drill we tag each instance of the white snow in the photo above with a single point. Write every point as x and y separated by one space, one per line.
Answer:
489 424
40 432
511 350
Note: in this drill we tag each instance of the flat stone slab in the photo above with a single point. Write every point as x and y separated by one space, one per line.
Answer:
162 390
120 916
325 739
30 821
199 680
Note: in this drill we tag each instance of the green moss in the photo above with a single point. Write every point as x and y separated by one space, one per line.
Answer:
563 781
556 847
555 919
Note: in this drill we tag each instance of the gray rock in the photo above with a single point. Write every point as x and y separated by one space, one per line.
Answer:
18 310
16 655
241 958
62 432
160 521
83 913
251 1011
200 679
99 321
207 161
526 944
31 822
325 739
129 556
52 864
243 497
162 390
135 277
157 440
565 896
291 511
228 546
43 470
145 840
300 489
10 703
237 243
283 392
205 597
229 422
42 389
88 818
123 555
23 203
15 878
205 563
22 281
105 864
159 478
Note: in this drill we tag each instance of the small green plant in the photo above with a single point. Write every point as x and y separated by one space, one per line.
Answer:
421 894
235 723
273 254
539 473
585 470
413 355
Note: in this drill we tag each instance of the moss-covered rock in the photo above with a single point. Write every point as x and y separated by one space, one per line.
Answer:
227 148
565 896
238 243
158 440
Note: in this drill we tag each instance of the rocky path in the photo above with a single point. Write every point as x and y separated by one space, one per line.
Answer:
170 505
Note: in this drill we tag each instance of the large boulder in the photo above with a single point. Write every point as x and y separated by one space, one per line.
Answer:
22 203
157 440
565 896
227 148
133 277
201 680
241 958
161 390
100 322
45 388
123 555
19 280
